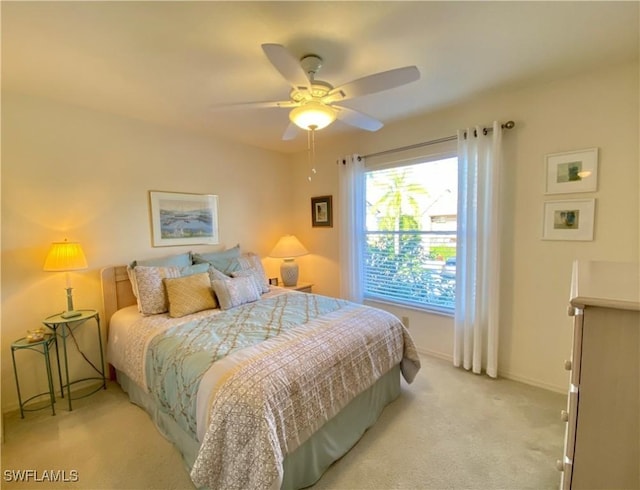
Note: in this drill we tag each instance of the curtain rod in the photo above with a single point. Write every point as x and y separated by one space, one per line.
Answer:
507 125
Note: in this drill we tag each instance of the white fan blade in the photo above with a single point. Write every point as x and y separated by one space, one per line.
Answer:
290 133
288 66
357 119
373 83
255 105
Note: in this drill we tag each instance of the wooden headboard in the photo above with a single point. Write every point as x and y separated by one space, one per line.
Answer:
116 290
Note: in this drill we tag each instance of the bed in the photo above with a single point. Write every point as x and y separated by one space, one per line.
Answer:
262 394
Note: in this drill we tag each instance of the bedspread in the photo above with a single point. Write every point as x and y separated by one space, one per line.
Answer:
178 357
264 398
271 403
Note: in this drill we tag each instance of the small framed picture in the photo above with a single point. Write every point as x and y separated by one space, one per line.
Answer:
572 219
321 211
574 171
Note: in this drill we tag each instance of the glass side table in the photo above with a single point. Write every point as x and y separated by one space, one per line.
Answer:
65 328
42 347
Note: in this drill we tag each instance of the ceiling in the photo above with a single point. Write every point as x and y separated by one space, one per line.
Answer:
172 62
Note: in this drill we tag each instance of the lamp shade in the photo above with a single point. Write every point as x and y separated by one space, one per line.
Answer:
65 256
288 247
312 115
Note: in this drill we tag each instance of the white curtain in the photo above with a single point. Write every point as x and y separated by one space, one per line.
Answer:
478 255
351 211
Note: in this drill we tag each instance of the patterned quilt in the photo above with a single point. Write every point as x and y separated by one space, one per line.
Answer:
254 382
178 357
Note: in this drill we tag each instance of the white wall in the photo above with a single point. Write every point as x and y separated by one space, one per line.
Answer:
77 174
598 109
68 172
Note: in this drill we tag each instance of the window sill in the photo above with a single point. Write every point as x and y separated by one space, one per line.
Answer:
421 309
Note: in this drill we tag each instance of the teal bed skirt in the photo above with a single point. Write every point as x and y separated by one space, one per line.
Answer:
304 466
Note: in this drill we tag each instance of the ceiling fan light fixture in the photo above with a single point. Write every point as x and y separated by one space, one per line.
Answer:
312 115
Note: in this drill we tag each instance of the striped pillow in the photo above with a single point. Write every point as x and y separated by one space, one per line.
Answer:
251 262
237 291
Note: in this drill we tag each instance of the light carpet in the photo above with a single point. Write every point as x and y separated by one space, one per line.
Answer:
450 429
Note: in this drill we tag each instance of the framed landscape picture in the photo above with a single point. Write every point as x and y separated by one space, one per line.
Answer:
572 219
574 171
322 211
183 219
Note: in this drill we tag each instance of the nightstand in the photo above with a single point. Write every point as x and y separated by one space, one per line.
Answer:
304 287
41 347
65 328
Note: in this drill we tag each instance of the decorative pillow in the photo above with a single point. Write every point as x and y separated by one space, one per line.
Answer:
256 275
235 292
179 260
225 261
189 294
251 261
216 274
194 269
152 298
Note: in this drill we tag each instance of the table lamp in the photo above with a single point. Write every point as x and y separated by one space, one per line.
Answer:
287 248
64 257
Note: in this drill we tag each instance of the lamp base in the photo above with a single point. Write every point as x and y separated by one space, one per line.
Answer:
289 272
70 313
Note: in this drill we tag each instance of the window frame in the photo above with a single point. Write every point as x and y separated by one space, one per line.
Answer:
449 151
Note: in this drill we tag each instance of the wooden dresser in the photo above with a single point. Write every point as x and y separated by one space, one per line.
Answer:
602 436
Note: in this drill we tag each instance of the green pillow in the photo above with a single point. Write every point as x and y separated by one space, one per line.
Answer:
179 260
225 261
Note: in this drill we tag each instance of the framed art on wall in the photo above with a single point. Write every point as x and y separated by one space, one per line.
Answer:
322 211
572 219
574 171
183 219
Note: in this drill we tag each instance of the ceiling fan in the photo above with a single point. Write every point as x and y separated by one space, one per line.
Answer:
315 103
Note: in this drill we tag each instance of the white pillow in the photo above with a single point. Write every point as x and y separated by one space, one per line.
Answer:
236 291
256 275
152 298
251 262
178 260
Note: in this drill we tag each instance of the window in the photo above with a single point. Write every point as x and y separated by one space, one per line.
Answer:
410 234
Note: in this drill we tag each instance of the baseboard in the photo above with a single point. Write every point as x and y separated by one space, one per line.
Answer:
534 382
501 374
11 410
432 353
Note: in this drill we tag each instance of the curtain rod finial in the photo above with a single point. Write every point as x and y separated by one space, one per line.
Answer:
509 125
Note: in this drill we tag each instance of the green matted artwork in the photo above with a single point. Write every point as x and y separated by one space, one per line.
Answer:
572 171
572 219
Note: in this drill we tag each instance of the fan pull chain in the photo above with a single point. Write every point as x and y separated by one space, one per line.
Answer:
309 153
311 145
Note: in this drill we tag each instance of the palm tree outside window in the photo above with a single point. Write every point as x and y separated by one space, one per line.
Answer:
410 234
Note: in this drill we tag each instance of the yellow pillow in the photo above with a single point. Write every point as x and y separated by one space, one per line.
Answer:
189 294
